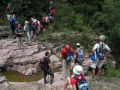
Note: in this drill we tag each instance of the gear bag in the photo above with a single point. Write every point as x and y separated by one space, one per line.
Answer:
101 52
68 55
80 55
81 83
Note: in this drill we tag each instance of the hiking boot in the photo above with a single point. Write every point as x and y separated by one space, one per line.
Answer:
51 80
45 82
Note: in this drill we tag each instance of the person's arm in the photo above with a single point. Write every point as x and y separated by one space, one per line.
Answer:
108 49
49 63
38 25
66 84
95 47
84 55
74 87
16 31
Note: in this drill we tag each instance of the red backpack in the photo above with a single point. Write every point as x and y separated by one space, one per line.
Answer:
35 24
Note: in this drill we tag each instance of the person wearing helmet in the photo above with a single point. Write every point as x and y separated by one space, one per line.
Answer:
77 73
67 56
101 49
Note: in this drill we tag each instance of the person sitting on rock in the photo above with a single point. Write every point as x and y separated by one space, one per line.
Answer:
45 65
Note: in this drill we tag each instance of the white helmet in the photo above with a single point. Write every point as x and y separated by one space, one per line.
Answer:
77 70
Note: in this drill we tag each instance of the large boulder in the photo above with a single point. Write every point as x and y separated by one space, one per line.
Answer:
24 86
3 83
20 60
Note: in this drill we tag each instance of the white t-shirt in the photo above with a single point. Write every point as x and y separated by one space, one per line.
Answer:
97 45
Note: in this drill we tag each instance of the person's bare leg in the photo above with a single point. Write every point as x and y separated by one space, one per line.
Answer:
93 71
99 71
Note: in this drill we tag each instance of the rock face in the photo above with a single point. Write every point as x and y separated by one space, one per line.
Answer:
25 86
4 31
3 83
24 60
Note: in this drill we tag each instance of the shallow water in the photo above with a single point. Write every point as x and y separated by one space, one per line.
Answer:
14 76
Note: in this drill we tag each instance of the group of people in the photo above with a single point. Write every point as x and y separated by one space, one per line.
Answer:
72 63
31 27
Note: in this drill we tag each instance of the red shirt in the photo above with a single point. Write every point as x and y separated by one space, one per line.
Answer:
72 81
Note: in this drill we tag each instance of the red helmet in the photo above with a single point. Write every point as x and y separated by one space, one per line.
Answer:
67 46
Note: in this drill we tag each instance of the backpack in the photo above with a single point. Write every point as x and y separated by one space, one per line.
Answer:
51 19
81 83
42 64
13 22
100 52
80 55
68 55
44 19
35 24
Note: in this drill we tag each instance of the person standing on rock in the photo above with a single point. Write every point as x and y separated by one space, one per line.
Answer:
101 49
9 11
19 33
77 81
79 55
13 22
67 56
45 65
28 32
34 27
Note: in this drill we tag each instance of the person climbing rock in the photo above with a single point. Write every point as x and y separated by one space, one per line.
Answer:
101 49
45 65
67 55
19 33
77 80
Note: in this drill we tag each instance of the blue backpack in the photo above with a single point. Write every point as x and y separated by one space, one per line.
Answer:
81 83
80 55
68 55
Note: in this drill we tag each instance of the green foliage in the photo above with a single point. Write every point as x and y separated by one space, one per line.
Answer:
86 17
111 71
